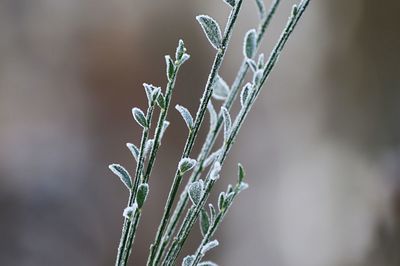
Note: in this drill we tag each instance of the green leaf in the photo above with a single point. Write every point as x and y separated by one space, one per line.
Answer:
241 173
122 174
221 201
196 191
141 195
161 101
170 67
204 222
139 117
227 123
180 50
250 44
211 29
185 115
220 89
186 164
134 150
212 213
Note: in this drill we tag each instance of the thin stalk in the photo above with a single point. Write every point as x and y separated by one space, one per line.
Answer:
155 248
132 195
191 219
213 132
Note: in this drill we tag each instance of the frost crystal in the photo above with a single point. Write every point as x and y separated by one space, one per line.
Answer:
130 211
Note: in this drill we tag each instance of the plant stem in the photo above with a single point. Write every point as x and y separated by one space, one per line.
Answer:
213 132
155 251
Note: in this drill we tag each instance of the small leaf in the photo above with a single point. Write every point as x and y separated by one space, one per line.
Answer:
186 164
214 174
210 245
229 189
164 128
212 213
229 198
261 8
130 211
155 93
211 29
204 222
180 50
134 150
148 146
221 201
207 263
295 10
257 76
149 90
213 114
170 67
241 173
212 158
122 174
196 191
187 261
250 44
185 57
185 115
232 3
252 64
227 123
260 63
244 95
243 186
139 117
161 101
141 195
220 89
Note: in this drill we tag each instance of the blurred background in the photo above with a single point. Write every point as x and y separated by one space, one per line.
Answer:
321 145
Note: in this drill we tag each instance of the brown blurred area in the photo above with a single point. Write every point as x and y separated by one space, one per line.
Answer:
321 146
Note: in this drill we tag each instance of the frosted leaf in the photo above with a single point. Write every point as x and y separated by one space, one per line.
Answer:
243 186
155 93
141 194
130 211
139 117
151 92
229 198
210 245
252 64
185 57
250 44
257 76
185 115
229 189
163 128
122 174
221 201
213 114
213 156
180 50
161 101
214 174
260 63
196 191
232 3
207 263
212 212
261 8
295 10
220 89
187 261
170 67
186 164
134 150
241 173
148 146
227 123
204 222
211 29
244 95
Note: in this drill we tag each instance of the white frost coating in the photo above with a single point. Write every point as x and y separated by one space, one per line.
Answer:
196 191
213 156
187 261
214 175
250 43
121 172
129 211
207 263
164 127
252 64
244 95
260 63
227 123
243 186
185 115
212 212
186 164
232 3
211 29
220 89
134 150
221 200
213 114
147 148
210 245
261 8
257 76
155 93
149 90
139 117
